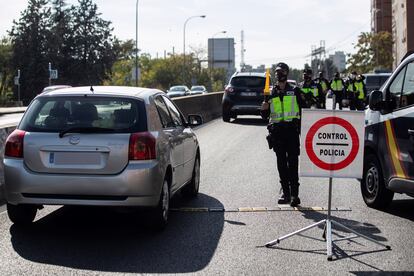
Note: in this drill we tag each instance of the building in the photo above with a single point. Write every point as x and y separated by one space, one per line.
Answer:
402 28
221 54
381 16
339 60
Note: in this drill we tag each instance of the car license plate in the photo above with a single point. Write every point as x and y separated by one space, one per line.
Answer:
248 94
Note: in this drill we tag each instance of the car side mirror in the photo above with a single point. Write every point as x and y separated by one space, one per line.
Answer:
194 120
376 101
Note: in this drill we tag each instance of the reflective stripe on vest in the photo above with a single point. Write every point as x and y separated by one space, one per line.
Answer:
307 90
337 85
286 111
359 87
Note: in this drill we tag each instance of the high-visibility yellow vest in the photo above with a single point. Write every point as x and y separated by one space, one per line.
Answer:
337 85
286 110
313 90
359 87
350 87
324 85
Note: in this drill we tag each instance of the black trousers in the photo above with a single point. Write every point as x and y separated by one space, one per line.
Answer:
338 99
286 146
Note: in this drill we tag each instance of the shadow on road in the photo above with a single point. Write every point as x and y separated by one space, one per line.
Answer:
104 239
402 208
366 229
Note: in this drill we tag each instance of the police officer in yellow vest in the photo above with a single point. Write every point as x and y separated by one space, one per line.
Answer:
325 85
360 92
283 109
351 90
337 88
311 90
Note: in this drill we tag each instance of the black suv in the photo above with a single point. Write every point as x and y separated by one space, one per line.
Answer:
243 95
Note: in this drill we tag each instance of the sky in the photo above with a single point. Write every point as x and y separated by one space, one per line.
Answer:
274 30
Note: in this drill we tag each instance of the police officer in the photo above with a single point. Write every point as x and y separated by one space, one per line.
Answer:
310 90
283 108
360 92
337 88
350 90
324 83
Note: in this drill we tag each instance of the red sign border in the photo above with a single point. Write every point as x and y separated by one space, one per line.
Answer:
309 145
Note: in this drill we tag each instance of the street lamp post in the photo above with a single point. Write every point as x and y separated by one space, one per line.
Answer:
185 24
136 44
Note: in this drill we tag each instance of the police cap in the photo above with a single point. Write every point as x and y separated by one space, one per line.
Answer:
282 66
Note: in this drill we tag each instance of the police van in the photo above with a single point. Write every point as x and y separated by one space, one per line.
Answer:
389 138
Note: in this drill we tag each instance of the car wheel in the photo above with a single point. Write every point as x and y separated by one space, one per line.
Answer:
191 189
162 210
373 189
23 214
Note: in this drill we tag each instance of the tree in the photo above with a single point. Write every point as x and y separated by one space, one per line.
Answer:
374 51
6 71
29 39
92 51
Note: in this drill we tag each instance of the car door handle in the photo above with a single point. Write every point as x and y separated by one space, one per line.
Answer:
411 132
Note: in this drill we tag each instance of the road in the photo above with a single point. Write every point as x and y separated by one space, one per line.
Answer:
237 171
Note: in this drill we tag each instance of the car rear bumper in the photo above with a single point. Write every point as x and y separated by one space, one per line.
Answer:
139 184
246 109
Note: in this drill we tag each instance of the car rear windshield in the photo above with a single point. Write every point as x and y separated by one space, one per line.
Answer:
55 114
248 81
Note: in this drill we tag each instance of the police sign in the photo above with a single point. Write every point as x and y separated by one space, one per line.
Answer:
332 143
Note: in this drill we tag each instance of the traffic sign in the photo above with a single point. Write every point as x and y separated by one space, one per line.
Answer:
53 74
332 143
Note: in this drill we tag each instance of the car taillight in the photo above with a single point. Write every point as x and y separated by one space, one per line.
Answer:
142 146
14 144
229 90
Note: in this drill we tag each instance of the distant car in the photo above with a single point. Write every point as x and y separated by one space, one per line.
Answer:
178 91
197 89
374 81
110 146
243 95
292 82
54 87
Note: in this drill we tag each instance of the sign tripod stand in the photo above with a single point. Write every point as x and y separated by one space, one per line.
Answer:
328 222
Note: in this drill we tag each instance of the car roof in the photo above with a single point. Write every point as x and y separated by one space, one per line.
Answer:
130 91
253 74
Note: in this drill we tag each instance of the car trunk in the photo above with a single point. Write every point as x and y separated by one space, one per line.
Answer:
248 90
76 153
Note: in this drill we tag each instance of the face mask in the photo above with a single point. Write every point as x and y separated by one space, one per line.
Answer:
280 76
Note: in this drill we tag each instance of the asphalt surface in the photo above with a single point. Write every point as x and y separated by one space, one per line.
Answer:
237 170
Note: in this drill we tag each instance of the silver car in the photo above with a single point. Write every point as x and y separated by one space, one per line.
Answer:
101 146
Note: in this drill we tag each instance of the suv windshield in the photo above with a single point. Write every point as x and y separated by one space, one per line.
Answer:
248 81
56 114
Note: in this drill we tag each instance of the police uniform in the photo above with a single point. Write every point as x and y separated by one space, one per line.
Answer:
324 83
360 92
337 87
312 93
284 126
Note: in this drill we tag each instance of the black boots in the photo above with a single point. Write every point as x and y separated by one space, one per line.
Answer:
294 189
284 199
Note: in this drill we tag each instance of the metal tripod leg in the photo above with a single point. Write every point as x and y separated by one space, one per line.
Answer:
340 225
271 243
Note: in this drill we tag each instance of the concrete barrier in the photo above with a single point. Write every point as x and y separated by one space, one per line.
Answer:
207 105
